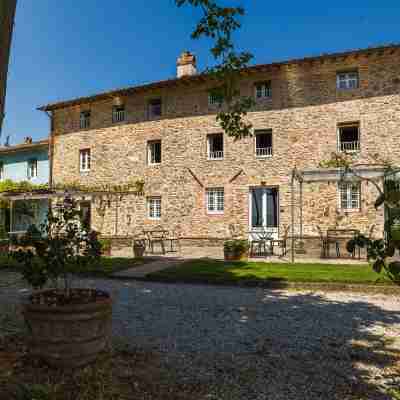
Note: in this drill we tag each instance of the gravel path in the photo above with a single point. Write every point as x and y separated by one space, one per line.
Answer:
250 343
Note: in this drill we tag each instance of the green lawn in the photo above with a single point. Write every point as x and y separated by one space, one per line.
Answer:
259 272
105 267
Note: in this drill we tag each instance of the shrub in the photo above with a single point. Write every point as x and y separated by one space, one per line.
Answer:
236 246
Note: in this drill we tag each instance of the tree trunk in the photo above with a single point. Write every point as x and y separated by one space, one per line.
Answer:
7 14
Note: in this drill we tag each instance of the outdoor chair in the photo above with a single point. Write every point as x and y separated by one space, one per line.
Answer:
337 235
155 237
261 244
282 243
326 241
174 238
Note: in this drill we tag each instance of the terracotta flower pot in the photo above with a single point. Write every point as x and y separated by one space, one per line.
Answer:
71 335
234 256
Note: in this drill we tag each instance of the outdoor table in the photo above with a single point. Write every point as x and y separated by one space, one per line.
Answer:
156 236
263 239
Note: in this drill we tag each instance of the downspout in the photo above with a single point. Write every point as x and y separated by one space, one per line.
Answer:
51 148
292 216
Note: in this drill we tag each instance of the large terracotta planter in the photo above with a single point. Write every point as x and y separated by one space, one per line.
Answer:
234 256
71 335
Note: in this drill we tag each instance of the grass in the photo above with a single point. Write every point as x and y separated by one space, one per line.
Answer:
105 267
260 272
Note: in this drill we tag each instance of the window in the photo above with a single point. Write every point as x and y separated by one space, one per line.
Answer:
263 143
155 108
215 146
154 152
215 200
84 160
349 137
85 120
118 114
154 207
349 196
263 90
347 80
32 169
215 98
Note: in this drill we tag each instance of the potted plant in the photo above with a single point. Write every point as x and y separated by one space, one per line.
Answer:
395 229
67 326
105 247
236 250
139 247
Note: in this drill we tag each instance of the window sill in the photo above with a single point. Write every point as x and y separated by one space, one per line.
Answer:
349 210
215 213
154 219
154 164
262 157
215 159
85 172
262 99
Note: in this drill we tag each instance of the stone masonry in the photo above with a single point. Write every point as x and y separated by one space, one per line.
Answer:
303 113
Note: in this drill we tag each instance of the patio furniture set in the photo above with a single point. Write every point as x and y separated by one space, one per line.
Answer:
167 241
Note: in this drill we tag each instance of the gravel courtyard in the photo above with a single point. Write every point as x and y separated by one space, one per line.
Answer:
249 343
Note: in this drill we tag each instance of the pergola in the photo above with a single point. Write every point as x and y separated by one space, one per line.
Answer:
299 178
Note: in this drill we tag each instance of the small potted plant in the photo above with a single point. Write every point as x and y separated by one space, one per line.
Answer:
236 249
105 247
395 229
139 247
67 326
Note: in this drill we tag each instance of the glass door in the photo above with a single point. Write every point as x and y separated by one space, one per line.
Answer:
264 209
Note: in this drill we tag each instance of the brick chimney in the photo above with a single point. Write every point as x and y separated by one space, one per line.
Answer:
186 64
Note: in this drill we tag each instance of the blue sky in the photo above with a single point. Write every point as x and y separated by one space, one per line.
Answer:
67 48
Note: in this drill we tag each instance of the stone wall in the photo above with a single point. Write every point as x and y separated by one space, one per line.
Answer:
303 114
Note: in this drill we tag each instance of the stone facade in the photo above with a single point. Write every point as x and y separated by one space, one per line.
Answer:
303 113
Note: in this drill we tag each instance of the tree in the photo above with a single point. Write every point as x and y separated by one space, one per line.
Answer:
7 15
219 23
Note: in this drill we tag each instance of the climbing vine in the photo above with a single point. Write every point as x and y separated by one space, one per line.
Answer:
219 24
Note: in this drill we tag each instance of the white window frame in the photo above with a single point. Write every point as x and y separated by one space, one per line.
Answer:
215 200
84 121
265 152
351 147
154 207
346 190
215 155
32 171
347 80
265 92
84 160
151 153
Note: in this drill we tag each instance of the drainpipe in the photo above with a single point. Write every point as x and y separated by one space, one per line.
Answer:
51 148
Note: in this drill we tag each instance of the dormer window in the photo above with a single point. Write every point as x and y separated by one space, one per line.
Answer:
32 169
347 80
85 120
155 108
263 90
118 114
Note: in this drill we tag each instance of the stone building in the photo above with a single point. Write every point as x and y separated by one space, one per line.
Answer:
204 184
25 163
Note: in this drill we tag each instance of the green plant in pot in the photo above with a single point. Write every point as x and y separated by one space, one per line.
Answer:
67 326
236 249
106 246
